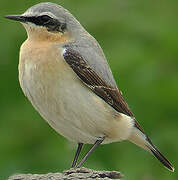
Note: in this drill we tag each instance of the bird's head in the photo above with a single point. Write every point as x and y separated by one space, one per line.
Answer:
48 19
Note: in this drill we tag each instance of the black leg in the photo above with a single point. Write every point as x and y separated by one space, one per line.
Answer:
77 154
97 143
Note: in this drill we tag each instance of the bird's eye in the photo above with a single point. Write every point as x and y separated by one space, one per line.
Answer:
44 19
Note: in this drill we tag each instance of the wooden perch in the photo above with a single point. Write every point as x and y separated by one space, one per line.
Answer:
71 174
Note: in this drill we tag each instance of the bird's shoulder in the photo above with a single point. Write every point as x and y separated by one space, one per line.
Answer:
91 51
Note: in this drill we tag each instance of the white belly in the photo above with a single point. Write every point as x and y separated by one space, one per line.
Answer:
70 107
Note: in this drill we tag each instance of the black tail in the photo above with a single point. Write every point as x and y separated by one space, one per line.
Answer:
139 138
159 156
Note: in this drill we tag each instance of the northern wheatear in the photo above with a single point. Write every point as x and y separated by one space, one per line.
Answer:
65 75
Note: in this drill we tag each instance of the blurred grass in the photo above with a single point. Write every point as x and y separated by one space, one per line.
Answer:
140 40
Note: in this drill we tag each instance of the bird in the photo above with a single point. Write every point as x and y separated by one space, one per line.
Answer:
65 75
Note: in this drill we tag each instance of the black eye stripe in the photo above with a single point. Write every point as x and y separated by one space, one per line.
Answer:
50 23
41 20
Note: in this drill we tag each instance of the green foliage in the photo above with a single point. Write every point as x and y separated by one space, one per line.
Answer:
140 40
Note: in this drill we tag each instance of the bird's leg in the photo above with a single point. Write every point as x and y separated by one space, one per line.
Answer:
97 143
77 154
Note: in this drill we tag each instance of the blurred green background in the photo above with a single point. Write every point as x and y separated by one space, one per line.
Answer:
140 41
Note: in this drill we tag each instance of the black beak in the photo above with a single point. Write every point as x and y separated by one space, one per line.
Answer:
16 18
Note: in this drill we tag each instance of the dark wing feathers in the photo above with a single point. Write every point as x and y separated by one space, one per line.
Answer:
111 95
